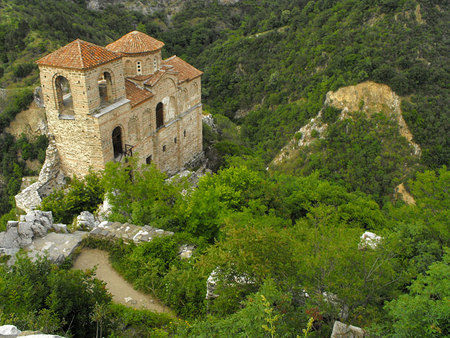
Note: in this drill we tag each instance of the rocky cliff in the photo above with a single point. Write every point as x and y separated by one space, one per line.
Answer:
368 97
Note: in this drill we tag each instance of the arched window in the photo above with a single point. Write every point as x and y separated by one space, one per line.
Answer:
117 142
138 67
105 88
63 96
159 115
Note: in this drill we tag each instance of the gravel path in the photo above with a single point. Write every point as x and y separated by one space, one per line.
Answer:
120 289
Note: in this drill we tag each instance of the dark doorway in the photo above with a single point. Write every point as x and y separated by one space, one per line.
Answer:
159 115
117 141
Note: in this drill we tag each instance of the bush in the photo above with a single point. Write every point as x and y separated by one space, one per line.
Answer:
80 195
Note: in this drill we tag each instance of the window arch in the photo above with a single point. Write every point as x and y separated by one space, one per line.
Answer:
105 88
64 100
159 115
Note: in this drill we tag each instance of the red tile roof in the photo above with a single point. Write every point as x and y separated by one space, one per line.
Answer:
155 78
78 54
135 94
135 42
185 70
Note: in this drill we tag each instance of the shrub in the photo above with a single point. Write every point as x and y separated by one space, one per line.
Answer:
81 195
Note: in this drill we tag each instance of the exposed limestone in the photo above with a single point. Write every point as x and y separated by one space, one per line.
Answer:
19 234
86 221
127 232
209 120
10 331
56 246
50 178
37 96
104 210
369 97
185 251
401 192
31 228
341 330
32 122
369 240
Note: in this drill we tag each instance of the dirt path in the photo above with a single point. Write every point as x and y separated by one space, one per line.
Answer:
120 289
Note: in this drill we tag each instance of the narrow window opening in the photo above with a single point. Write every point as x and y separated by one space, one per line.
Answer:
159 115
184 133
164 148
64 96
148 160
117 143
105 88
155 65
175 140
138 68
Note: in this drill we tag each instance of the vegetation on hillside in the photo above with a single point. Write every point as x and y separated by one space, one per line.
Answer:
285 245
294 240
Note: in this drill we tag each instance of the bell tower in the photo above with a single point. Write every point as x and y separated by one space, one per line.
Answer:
78 81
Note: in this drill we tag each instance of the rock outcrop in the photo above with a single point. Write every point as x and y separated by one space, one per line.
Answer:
31 233
20 234
10 331
127 232
369 97
50 177
341 330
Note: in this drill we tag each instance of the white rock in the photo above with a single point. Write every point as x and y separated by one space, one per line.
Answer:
9 331
369 239
86 221
341 330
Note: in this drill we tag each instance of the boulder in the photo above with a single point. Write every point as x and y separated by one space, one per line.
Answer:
369 240
10 238
341 330
26 233
86 221
9 331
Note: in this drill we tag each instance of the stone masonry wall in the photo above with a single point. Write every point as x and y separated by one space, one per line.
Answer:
129 63
84 135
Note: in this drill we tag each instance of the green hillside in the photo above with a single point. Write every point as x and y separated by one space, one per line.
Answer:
284 243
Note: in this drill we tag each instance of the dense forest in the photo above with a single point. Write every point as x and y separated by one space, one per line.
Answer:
292 233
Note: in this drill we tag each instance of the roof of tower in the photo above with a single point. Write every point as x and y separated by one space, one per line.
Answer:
78 54
135 42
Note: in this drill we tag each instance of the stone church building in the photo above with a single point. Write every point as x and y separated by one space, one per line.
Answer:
108 103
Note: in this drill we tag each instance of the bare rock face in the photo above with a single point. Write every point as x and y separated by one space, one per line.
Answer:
372 97
31 121
20 234
50 177
369 97
37 95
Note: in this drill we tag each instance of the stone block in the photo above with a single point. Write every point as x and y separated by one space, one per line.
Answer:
341 330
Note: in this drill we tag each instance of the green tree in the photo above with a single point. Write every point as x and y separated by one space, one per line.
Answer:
424 311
